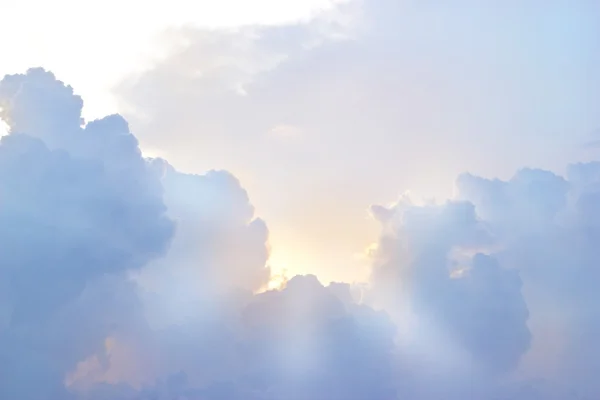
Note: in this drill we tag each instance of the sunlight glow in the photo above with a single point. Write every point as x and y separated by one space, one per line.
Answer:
283 264
278 281
94 53
3 128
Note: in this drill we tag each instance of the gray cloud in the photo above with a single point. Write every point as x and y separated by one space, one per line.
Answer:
461 315
495 287
303 342
113 301
69 216
548 228
99 310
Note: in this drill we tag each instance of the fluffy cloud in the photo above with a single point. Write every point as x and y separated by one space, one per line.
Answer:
462 315
306 343
499 281
548 228
124 278
192 297
303 342
78 203
214 215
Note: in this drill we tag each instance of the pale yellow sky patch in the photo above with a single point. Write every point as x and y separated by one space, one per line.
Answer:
3 128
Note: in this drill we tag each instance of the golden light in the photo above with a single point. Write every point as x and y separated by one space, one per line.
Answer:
284 265
3 128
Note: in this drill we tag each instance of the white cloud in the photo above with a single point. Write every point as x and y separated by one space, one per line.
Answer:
130 280
412 96
93 46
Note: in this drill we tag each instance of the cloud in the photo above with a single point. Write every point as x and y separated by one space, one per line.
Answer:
78 203
125 278
190 298
494 287
144 281
463 313
303 342
142 278
388 95
219 243
82 211
548 226
396 67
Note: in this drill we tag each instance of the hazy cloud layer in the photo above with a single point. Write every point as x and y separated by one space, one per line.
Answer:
379 95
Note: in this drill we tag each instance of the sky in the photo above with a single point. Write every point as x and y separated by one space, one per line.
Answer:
441 87
95 44
353 199
416 94
94 47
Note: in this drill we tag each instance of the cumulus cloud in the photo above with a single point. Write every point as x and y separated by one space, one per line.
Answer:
462 315
191 297
555 252
70 214
495 286
124 278
303 342
215 215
